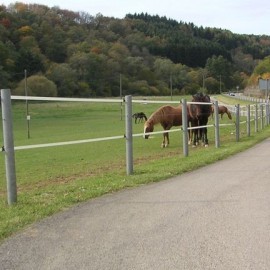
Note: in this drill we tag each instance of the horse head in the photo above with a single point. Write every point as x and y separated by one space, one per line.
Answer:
206 109
148 127
196 109
202 110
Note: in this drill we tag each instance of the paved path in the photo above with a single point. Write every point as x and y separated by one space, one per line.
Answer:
217 217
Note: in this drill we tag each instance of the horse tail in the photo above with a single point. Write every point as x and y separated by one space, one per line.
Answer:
229 114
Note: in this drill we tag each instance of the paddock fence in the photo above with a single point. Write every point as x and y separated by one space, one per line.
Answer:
259 113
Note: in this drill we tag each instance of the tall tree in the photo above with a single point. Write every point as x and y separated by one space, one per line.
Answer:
220 69
65 79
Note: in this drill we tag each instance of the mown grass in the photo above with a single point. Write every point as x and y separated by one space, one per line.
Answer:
52 179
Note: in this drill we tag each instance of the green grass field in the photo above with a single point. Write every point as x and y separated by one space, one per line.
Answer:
51 179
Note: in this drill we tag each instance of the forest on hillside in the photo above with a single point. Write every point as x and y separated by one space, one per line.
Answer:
65 53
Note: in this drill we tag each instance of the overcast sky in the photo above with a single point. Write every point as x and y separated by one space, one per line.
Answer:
238 16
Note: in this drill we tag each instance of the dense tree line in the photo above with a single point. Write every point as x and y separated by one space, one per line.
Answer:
77 54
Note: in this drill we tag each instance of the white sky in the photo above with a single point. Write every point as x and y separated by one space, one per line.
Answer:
238 16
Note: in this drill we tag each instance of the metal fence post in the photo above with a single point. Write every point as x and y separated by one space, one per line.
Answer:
185 127
237 122
248 120
217 139
262 116
256 117
129 139
8 147
267 113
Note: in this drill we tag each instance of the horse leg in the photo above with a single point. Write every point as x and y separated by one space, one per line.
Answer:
202 136
166 140
194 134
190 134
163 141
189 137
205 139
194 137
198 137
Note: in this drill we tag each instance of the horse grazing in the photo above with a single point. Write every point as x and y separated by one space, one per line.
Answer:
169 116
140 116
221 110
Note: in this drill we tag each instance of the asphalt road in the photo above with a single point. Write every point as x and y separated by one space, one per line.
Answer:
217 217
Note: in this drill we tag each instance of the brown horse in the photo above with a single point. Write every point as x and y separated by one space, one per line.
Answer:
169 116
206 110
221 110
200 133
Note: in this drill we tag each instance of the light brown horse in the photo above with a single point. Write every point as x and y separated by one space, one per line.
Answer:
221 110
169 116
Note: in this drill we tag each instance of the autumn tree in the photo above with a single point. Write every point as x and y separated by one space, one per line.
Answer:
37 86
65 79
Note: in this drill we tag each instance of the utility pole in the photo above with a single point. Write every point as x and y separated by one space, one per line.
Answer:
26 103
